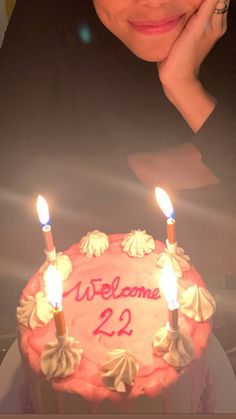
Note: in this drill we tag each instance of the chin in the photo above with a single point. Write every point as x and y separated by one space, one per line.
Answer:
150 55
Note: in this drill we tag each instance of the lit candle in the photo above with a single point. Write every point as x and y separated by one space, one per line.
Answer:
53 282
165 204
44 218
169 288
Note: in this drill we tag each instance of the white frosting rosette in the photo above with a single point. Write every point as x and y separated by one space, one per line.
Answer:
94 243
197 303
175 347
61 359
34 311
119 369
63 265
178 260
137 243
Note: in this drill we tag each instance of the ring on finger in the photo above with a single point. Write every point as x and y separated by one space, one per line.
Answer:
222 10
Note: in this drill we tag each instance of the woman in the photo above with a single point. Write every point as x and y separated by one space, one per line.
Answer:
80 94
177 36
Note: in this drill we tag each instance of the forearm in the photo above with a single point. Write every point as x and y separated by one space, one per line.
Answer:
191 100
217 145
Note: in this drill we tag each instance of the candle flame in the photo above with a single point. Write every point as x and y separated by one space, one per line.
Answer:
164 202
42 210
168 284
53 282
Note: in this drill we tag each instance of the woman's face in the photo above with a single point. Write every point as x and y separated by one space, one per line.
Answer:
148 28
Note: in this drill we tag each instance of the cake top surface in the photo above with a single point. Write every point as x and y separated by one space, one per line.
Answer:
113 304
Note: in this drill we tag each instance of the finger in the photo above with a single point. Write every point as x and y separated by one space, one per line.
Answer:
206 10
203 16
208 21
219 21
222 7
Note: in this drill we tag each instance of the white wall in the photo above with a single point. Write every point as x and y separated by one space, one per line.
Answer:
3 20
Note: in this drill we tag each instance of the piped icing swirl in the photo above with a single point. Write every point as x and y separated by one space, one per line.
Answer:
94 243
63 266
176 348
179 261
34 311
119 369
61 360
137 243
197 303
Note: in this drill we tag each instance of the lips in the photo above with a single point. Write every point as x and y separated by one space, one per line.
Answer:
155 27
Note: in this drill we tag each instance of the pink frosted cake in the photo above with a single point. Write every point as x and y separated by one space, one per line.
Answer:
120 353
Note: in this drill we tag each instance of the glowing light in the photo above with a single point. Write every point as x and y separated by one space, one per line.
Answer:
169 286
42 210
164 202
53 282
85 33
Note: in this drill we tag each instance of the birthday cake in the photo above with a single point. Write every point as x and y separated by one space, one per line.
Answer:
126 349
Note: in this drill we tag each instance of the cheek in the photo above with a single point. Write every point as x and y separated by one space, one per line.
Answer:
195 4
101 10
109 11
190 6
112 14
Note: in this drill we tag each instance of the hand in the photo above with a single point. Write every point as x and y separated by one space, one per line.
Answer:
179 167
199 36
179 71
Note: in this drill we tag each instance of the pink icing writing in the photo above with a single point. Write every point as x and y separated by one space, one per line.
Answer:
107 314
123 331
113 290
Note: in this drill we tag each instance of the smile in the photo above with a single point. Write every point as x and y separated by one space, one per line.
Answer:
155 27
